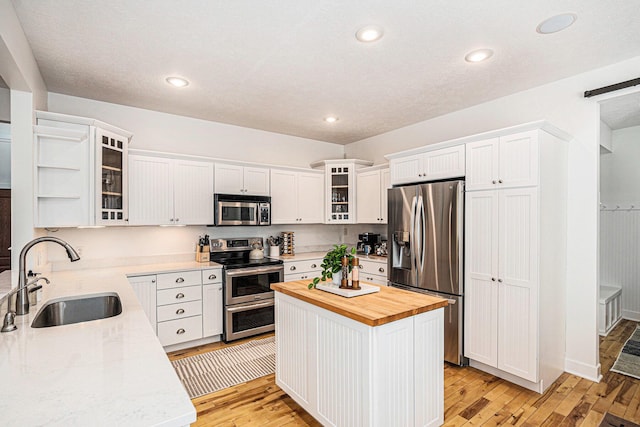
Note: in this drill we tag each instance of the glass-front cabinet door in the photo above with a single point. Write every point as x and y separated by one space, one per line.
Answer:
111 179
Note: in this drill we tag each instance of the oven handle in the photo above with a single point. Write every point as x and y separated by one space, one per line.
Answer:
250 307
254 270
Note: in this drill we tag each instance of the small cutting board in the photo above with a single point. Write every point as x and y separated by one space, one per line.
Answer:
348 293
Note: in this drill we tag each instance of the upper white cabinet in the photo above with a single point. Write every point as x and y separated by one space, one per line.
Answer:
297 197
515 257
235 179
170 191
428 166
340 189
371 195
81 172
503 162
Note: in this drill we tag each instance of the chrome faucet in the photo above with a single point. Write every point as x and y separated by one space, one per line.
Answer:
22 299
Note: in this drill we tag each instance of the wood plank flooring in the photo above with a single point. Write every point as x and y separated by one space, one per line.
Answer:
472 397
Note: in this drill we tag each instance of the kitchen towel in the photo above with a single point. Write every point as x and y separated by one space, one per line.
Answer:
209 372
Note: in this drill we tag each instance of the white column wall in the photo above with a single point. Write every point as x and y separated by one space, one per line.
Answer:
562 103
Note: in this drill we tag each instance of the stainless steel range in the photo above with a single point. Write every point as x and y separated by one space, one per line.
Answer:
248 299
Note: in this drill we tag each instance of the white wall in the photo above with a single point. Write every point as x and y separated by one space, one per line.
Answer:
605 138
562 103
157 131
620 170
5 155
5 105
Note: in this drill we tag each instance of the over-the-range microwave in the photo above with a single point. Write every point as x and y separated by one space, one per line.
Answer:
233 209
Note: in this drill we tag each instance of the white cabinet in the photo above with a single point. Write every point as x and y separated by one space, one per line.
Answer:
374 271
235 179
81 172
302 270
212 309
170 191
428 166
371 195
297 197
340 189
515 269
503 162
145 289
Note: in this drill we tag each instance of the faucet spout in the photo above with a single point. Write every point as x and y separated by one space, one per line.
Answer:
22 299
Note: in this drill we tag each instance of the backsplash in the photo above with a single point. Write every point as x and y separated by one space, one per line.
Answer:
116 246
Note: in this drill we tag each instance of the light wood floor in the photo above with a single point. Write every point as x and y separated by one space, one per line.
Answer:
472 397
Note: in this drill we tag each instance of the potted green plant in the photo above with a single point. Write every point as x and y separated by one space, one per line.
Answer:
332 263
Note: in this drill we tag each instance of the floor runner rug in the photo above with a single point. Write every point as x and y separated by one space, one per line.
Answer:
628 361
209 372
611 420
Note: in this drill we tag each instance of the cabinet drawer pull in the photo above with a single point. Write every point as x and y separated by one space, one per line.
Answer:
180 311
180 295
180 331
179 280
213 276
381 270
292 268
313 266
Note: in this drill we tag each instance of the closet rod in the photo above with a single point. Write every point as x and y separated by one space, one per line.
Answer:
611 88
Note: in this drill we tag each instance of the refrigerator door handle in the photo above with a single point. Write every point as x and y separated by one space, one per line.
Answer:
420 223
412 235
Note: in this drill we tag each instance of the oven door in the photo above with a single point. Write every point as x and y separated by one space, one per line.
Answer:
245 320
236 213
244 285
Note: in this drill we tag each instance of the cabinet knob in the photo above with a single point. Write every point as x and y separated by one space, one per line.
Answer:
180 331
381 270
419 174
180 311
493 279
313 266
499 280
494 181
180 296
360 266
292 268
171 220
179 280
177 219
212 276
500 181
153 281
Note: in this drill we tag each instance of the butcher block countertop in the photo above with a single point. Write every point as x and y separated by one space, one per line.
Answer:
386 306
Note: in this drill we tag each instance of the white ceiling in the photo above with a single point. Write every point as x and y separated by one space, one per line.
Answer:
283 65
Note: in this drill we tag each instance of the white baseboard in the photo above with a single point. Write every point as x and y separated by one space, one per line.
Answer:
589 372
631 315
194 343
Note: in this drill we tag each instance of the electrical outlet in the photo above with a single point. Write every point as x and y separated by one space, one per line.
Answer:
346 231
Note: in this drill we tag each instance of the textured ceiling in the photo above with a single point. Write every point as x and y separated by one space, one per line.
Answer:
621 112
283 65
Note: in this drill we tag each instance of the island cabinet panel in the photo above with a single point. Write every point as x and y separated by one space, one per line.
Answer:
346 373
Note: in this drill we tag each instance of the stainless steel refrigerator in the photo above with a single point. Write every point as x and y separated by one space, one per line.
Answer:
426 224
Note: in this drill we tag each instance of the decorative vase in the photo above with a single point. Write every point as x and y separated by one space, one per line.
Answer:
337 277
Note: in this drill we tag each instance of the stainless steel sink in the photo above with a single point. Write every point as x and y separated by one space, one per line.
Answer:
76 309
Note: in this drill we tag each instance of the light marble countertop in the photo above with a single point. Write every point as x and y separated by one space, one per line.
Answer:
101 373
304 256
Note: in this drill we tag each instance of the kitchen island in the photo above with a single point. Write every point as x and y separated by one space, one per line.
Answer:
371 360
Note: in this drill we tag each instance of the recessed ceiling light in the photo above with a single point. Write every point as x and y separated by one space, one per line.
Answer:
556 23
370 33
331 119
177 81
478 55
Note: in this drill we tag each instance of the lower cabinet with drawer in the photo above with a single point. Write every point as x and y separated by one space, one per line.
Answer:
302 270
373 272
182 306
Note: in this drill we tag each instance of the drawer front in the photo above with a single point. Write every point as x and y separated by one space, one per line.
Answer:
296 267
212 275
300 276
179 310
179 295
372 278
371 267
179 279
181 330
